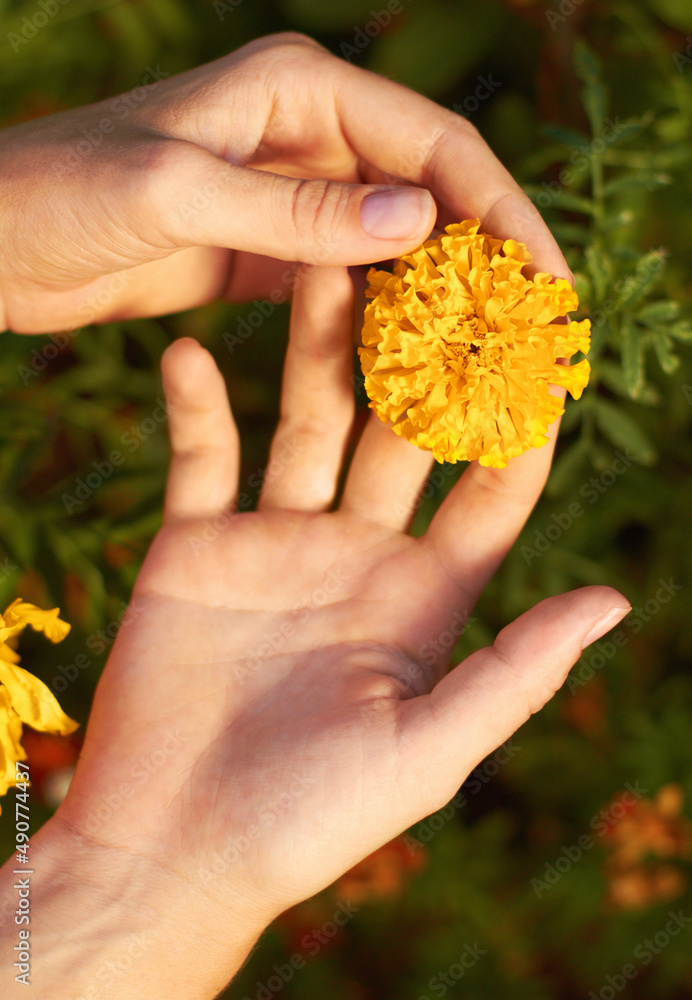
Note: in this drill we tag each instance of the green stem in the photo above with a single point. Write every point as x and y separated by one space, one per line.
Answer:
598 197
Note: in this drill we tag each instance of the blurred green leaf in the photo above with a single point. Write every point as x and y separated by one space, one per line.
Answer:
171 18
583 286
587 65
337 15
659 312
566 469
611 376
18 534
430 48
643 277
601 331
668 361
623 431
600 271
627 130
648 181
632 357
681 330
676 13
569 232
593 97
570 137
561 199
126 21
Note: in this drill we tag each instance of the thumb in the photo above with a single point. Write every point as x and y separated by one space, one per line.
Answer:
485 699
199 199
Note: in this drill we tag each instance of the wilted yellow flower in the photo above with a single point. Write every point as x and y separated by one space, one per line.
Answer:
459 348
24 699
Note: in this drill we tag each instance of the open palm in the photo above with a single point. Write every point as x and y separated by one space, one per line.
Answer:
283 674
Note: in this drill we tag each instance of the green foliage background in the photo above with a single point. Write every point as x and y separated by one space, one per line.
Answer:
572 75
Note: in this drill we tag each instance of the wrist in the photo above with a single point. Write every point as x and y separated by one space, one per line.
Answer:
104 918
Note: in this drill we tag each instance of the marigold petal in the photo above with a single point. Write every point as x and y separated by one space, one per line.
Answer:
33 702
11 749
459 347
20 614
8 654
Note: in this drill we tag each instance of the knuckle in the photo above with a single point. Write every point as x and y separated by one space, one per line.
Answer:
281 50
337 279
318 207
463 125
289 39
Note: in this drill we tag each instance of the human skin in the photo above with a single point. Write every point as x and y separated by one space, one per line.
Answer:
285 653
207 186
283 662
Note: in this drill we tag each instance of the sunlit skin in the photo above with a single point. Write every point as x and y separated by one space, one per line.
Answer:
281 666
284 667
165 211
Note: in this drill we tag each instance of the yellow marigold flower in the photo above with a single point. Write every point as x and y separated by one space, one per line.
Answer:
459 348
24 699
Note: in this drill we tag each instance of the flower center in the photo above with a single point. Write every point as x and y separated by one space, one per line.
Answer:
474 347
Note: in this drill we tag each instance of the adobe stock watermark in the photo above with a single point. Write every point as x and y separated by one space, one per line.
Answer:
108 975
40 359
415 675
605 649
564 10
592 491
311 943
644 953
430 651
273 642
268 816
132 439
362 37
648 267
485 88
140 774
206 193
477 780
120 107
579 158
223 7
443 981
45 11
571 854
88 312
684 58
436 480
98 642
417 156
214 526
263 309
7 568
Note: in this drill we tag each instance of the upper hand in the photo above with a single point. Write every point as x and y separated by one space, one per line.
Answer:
205 184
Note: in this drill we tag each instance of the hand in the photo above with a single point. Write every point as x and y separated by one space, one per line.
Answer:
277 669
190 188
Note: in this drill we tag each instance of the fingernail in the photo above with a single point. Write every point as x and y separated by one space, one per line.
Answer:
395 213
604 625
